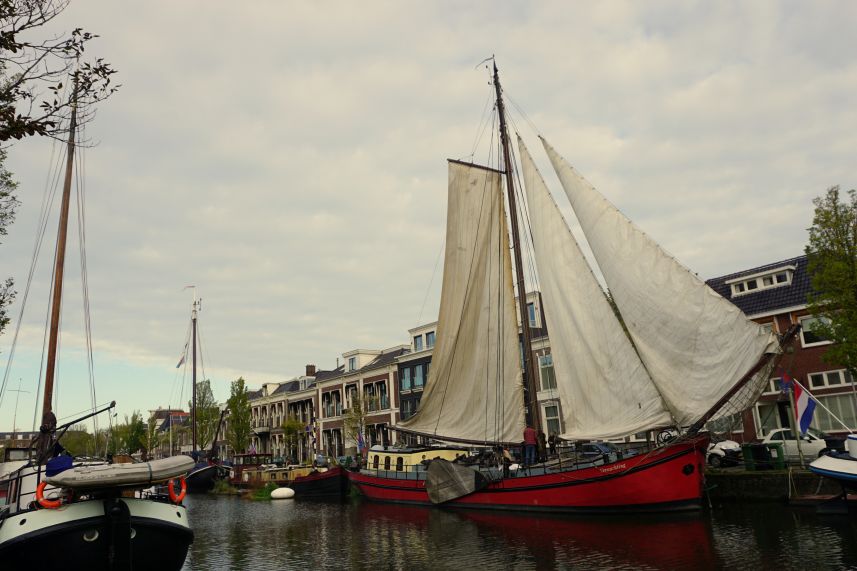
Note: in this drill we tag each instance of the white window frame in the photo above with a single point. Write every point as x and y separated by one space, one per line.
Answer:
541 376
843 373
741 286
558 417
803 343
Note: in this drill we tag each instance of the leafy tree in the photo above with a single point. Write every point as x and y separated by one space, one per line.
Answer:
238 434
832 262
8 204
78 441
207 414
33 70
130 436
354 420
153 438
293 429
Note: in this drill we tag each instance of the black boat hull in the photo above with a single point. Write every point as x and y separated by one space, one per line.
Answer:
123 533
201 479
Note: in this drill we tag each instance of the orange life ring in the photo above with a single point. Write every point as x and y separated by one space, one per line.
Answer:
43 501
177 498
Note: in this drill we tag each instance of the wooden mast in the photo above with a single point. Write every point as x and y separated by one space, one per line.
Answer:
193 350
530 401
56 299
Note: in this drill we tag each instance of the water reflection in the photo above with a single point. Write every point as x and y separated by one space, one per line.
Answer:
237 534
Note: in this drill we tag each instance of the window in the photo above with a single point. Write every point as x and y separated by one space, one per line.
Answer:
352 363
546 372
375 462
406 379
842 406
386 462
418 343
400 463
552 419
776 278
382 395
419 381
775 385
808 337
768 418
531 311
829 379
430 339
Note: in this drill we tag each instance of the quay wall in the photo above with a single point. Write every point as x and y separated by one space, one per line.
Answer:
766 485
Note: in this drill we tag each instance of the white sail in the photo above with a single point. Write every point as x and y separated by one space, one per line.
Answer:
474 389
695 344
603 386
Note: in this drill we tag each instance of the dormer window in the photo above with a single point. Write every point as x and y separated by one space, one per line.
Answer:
352 363
761 281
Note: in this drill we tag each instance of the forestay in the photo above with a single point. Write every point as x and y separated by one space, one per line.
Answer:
695 344
604 387
474 388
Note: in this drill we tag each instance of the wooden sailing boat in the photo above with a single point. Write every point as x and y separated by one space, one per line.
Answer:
686 353
64 514
206 470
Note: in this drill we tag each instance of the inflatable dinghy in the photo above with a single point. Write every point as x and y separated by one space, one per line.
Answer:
110 475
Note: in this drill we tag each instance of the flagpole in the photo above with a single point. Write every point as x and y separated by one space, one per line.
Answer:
795 426
836 418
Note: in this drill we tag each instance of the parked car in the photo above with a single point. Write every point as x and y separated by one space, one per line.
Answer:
812 444
592 451
723 453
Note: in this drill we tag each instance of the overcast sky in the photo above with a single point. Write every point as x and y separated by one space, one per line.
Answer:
289 160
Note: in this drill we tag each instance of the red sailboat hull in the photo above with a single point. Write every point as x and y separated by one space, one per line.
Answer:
666 479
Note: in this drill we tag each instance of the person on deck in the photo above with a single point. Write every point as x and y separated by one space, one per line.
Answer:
543 454
552 443
530 442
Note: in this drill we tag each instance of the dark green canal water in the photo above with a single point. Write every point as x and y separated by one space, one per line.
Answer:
232 533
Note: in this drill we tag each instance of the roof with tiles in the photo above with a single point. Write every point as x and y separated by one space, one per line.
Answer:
385 358
287 387
324 375
771 299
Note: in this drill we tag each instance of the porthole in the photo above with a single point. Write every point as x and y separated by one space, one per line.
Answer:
23 521
133 533
90 535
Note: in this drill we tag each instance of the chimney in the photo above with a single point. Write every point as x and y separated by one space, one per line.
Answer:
310 370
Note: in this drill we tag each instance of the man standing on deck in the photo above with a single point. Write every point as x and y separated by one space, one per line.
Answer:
530 441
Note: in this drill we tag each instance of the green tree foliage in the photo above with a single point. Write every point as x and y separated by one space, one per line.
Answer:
354 419
238 434
153 438
832 260
34 71
293 429
129 437
207 414
8 204
78 441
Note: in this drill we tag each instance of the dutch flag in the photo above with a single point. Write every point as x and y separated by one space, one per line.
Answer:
805 407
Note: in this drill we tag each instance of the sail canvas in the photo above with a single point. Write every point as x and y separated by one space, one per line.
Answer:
474 389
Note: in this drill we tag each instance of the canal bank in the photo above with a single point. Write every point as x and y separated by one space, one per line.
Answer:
791 484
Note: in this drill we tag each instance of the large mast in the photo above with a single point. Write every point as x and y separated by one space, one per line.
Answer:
56 300
533 417
193 351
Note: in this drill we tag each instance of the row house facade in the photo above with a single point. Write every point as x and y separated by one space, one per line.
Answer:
320 400
775 296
